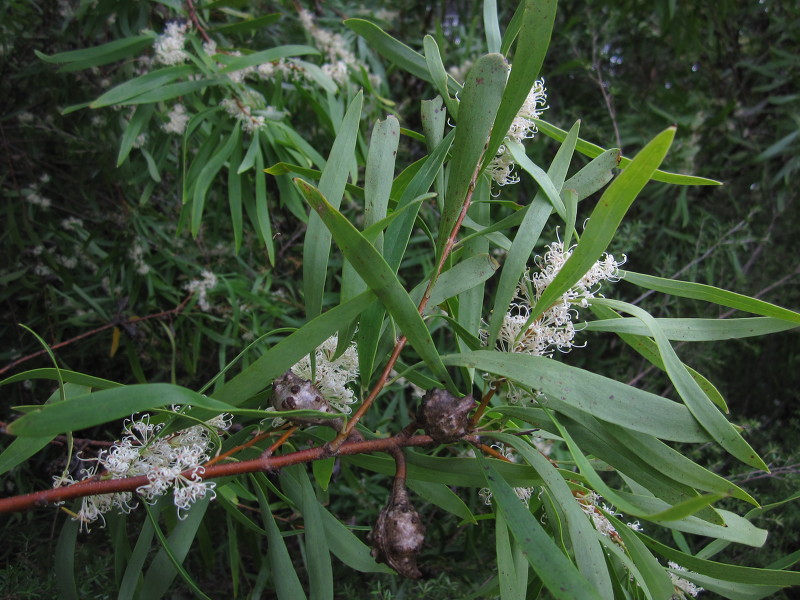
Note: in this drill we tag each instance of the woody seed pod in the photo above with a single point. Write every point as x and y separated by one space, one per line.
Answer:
291 392
443 416
398 535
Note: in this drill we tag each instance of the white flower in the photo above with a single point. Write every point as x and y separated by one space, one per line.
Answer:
169 46
201 287
554 329
589 505
169 462
136 253
250 122
683 587
501 168
178 118
331 376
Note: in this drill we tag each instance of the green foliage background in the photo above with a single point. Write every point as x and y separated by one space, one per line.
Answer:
726 75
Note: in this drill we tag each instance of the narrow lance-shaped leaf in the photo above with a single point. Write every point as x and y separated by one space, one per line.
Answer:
604 398
562 578
723 432
605 219
709 293
380 278
317 244
480 99
593 150
588 553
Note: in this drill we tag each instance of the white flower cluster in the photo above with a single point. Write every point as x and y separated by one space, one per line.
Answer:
554 329
178 118
340 58
683 588
589 505
501 169
173 461
169 46
32 193
136 253
331 376
201 286
241 112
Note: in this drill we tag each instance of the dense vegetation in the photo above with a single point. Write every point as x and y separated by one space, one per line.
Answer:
145 245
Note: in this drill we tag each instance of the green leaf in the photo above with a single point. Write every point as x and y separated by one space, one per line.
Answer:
560 576
443 497
695 330
153 80
595 175
605 219
140 118
708 293
257 58
395 51
585 545
88 410
506 569
723 432
464 276
604 398
648 349
167 92
480 99
398 234
287 583
374 270
133 571
439 76
235 195
491 25
99 55
168 561
320 571
207 175
345 546
532 42
262 209
65 560
735 574
317 244
592 151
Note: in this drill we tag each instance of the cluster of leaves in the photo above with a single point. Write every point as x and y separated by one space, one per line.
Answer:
545 546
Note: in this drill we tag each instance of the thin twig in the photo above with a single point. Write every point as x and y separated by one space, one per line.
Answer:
115 323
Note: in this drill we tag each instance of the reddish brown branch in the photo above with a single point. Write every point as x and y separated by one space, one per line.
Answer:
115 323
196 21
263 464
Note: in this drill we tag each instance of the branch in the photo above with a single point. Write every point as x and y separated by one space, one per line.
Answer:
89 487
115 323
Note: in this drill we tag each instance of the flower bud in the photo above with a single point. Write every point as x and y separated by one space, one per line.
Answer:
443 416
398 535
291 392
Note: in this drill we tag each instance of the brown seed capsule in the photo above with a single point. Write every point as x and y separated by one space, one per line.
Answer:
398 535
445 417
291 392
